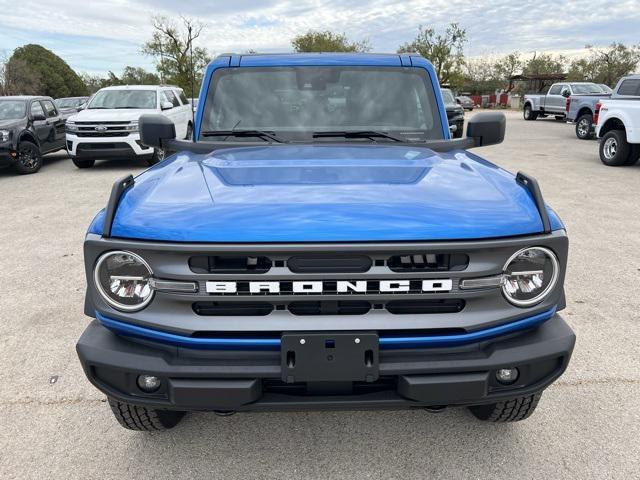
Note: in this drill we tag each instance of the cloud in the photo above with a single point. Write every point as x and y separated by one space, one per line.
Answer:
106 35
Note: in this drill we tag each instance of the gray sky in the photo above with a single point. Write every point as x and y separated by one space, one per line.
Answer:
97 36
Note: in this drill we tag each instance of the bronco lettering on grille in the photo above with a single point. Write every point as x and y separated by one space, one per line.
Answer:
336 287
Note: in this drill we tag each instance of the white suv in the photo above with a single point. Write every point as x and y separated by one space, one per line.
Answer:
108 127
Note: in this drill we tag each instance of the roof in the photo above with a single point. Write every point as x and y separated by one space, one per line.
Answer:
137 87
315 59
25 97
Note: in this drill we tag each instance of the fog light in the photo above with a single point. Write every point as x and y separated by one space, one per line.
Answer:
507 376
148 383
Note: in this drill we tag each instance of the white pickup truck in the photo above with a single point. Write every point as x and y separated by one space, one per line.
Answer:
555 101
617 122
108 127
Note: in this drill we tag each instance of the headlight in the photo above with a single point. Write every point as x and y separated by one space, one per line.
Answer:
71 127
530 275
123 280
4 135
132 127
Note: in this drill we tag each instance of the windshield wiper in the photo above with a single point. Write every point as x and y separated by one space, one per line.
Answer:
266 136
372 134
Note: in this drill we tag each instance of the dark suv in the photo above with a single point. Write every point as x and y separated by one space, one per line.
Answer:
29 128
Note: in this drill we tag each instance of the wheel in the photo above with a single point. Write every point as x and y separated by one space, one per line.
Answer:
614 149
528 113
144 419
29 158
83 162
512 410
583 127
458 132
189 132
634 155
159 154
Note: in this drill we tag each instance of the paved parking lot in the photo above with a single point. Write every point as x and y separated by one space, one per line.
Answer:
54 424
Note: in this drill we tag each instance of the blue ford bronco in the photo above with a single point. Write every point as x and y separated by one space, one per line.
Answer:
323 242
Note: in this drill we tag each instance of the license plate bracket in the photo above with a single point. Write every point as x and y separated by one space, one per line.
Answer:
329 357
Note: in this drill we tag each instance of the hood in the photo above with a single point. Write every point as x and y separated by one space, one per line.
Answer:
110 115
314 193
12 123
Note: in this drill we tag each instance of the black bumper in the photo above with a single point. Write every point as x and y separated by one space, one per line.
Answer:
7 156
251 380
105 151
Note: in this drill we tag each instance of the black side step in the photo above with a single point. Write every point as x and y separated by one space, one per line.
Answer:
114 200
531 184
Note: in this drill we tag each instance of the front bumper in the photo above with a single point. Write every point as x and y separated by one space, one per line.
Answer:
8 156
231 379
107 147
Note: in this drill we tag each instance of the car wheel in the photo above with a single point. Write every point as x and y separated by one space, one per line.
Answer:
583 127
29 158
614 148
528 113
458 132
83 162
634 155
144 419
189 132
159 154
508 410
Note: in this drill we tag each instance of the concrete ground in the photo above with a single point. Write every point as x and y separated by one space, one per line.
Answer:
54 424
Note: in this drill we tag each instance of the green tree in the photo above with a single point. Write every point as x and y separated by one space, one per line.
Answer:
480 76
506 67
606 65
327 41
138 76
172 46
56 77
544 64
444 50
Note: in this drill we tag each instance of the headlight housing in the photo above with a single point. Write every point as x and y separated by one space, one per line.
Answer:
123 280
132 127
71 127
529 276
4 135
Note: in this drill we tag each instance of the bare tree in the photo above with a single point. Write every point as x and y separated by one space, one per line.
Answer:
17 78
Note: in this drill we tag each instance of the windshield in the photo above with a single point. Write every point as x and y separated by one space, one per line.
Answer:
12 109
124 99
447 96
584 88
302 101
69 102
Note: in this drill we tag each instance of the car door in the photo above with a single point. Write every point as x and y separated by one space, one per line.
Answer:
555 101
41 126
174 112
56 121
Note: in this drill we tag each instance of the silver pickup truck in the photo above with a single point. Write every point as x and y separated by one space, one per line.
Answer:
555 101
581 108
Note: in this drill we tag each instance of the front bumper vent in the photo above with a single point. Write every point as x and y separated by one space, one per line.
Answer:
428 262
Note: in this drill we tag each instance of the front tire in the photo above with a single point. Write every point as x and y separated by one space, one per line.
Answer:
189 132
29 158
159 154
513 410
83 162
583 127
528 113
615 151
144 419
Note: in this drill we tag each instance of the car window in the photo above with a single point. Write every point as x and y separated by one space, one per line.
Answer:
12 109
183 97
36 109
630 87
555 90
136 99
50 108
171 98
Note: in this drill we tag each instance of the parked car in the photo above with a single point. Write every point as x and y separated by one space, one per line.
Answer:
580 108
465 102
618 123
30 126
317 248
71 104
555 101
605 88
455 113
108 127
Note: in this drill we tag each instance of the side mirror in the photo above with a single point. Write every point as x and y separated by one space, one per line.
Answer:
566 93
487 128
37 117
166 105
155 130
